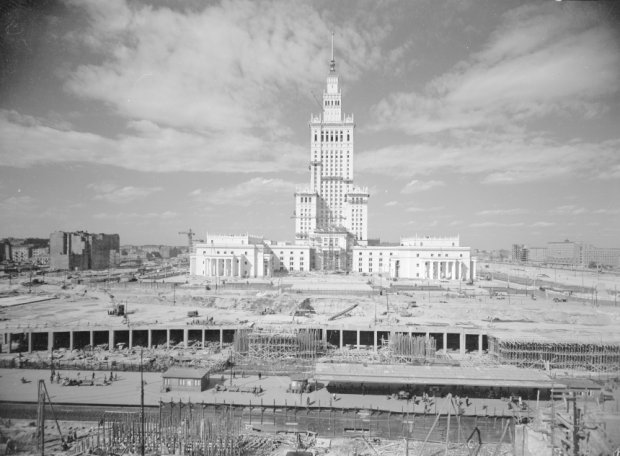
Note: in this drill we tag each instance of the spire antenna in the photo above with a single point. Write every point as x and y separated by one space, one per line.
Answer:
332 63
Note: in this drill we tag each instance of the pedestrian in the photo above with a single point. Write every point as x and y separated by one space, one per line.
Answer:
308 401
93 376
111 375
259 375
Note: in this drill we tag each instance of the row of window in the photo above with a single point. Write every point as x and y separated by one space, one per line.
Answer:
417 254
329 136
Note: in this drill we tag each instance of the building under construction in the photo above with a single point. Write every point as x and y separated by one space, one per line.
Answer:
279 343
545 354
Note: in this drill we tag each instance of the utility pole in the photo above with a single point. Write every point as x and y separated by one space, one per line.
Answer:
141 404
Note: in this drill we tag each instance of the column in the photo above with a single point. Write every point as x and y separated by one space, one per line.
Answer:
149 338
110 339
71 340
9 344
167 337
473 269
221 338
203 338
375 340
341 337
50 340
358 339
92 338
29 341
456 271
445 342
462 343
130 338
480 344
185 337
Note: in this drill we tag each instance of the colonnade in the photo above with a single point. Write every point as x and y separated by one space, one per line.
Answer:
452 270
218 266
72 339
462 339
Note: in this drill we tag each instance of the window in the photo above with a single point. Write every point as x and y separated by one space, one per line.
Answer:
418 255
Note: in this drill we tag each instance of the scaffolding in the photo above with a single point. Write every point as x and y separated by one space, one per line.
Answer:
272 344
591 356
403 348
399 349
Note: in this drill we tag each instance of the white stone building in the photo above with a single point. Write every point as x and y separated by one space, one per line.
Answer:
332 206
246 256
425 258
331 221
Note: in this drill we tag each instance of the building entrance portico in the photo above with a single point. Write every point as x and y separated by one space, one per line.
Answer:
218 266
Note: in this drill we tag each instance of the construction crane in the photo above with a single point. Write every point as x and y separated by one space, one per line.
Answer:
190 238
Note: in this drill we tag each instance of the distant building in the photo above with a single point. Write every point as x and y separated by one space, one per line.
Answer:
520 253
83 251
600 256
537 254
565 253
21 253
5 250
41 256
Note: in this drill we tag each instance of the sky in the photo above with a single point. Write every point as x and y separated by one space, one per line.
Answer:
498 121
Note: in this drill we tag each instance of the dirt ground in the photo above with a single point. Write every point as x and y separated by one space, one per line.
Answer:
153 304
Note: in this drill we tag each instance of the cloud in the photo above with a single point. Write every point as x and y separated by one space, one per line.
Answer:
424 209
119 216
568 209
27 141
391 203
247 193
17 204
497 158
495 224
115 194
542 224
420 186
501 212
607 211
216 69
539 62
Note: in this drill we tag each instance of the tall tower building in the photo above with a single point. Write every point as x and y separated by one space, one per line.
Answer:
332 213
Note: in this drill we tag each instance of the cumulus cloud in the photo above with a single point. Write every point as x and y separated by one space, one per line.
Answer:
27 141
501 212
17 204
247 193
112 193
415 186
540 61
119 216
496 225
218 69
496 158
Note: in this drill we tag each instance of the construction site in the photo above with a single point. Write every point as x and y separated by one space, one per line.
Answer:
318 364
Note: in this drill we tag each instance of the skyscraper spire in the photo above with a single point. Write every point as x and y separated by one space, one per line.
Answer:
332 63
